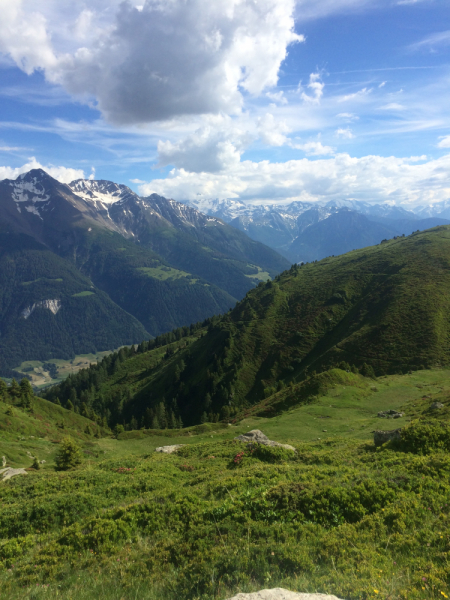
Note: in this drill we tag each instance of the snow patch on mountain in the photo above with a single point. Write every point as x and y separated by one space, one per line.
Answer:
104 192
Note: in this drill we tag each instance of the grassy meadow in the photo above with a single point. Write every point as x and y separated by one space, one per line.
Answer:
338 516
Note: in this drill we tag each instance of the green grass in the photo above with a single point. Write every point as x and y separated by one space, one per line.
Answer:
83 294
164 273
44 279
338 517
260 275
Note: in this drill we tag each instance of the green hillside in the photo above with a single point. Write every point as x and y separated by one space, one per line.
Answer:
381 309
86 319
337 516
139 281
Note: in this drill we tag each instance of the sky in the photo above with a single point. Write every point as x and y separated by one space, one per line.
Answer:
265 101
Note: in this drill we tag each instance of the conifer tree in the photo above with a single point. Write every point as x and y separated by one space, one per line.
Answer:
14 390
26 393
68 456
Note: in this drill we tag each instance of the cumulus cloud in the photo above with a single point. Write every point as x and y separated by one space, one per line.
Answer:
272 131
208 149
315 86
408 181
344 133
314 148
444 142
62 174
157 60
278 97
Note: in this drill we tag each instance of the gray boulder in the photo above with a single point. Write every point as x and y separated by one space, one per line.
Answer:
281 594
10 472
390 414
436 405
381 437
257 437
169 449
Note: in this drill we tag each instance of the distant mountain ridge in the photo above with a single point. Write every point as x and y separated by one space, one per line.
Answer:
153 264
301 232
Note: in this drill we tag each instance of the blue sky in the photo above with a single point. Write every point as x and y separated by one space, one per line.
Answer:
266 101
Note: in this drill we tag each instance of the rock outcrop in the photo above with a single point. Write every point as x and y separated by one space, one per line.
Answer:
390 414
10 472
281 594
169 449
381 437
258 437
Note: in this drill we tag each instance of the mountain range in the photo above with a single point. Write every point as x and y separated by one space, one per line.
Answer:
307 231
92 266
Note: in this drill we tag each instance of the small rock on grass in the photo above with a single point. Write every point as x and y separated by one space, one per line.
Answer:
10 472
258 437
169 449
281 594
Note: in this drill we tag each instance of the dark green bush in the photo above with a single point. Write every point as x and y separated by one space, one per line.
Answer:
272 454
424 438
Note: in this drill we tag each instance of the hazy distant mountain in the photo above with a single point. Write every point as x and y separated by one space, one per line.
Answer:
140 266
311 230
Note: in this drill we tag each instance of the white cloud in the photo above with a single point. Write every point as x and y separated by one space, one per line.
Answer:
62 174
348 117
314 148
272 131
11 148
278 97
316 86
208 149
445 142
359 95
382 84
432 41
408 181
344 133
160 60
393 106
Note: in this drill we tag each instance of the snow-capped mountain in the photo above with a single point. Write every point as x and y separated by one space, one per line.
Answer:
92 265
292 228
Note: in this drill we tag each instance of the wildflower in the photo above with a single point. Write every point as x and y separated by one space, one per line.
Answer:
445 595
424 578
376 591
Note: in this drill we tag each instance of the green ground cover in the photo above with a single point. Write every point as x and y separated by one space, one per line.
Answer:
337 516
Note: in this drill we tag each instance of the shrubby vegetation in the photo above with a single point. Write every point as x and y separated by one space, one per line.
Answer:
337 516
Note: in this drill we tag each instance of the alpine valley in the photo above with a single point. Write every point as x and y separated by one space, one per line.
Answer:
91 266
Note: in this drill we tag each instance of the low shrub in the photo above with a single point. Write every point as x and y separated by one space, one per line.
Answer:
423 438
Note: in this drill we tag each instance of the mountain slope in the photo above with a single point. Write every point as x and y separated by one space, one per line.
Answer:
153 259
48 308
384 306
341 232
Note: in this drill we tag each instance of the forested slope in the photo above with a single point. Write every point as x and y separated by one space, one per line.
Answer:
382 309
